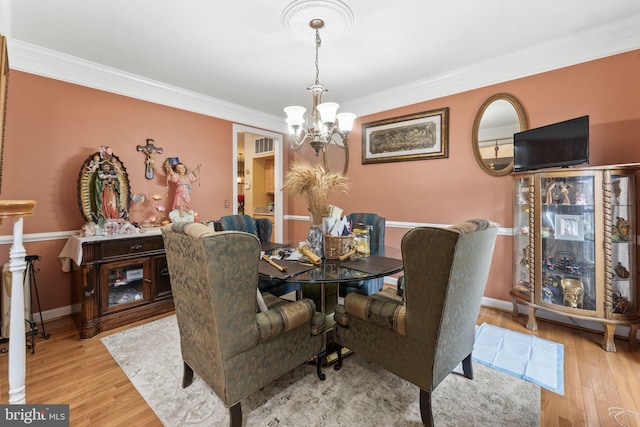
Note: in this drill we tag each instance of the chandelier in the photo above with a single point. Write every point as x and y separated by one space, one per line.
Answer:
323 126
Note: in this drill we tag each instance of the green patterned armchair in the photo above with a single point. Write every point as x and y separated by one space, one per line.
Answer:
235 338
424 333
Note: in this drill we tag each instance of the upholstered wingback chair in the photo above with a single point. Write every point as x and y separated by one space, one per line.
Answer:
262 228
424 334
232 336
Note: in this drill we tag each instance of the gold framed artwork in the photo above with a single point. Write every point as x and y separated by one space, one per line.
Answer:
418 136
4 83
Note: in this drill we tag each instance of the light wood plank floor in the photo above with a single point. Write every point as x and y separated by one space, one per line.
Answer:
83 375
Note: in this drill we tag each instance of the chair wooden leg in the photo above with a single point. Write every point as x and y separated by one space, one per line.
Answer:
425 408
467 367
235 415
320 358
187 375
338 364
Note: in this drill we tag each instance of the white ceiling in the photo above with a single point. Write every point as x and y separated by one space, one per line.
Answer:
396 52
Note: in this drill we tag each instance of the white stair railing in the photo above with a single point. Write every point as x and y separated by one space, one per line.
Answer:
17 209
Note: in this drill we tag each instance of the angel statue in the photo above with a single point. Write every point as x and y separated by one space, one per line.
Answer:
181 208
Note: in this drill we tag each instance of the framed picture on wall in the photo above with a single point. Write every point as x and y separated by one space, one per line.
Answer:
417 136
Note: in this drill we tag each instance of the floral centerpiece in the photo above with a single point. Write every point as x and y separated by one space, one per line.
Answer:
314 184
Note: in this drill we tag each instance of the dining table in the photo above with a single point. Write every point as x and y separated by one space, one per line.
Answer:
324 273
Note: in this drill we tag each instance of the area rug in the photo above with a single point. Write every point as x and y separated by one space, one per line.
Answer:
524 356
360 394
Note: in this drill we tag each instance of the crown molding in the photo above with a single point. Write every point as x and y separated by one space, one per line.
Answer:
607 40
36 60
615 38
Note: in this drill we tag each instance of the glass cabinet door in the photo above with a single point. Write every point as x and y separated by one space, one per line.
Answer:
521 234
124 284
567 256
623 285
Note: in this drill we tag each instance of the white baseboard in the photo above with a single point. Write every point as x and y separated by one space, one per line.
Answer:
55 313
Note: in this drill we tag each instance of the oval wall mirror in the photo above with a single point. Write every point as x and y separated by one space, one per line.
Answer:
336 156
499 117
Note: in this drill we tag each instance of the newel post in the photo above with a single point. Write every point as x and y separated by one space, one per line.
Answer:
17 209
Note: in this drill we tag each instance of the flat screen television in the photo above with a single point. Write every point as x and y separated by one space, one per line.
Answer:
557 145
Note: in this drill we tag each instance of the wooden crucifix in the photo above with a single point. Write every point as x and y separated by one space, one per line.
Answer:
149 150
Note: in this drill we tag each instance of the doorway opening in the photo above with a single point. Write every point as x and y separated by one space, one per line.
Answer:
257 175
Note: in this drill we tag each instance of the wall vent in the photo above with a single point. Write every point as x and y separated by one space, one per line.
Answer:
263 145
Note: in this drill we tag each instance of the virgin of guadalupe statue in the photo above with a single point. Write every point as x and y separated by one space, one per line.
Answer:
107 192
103 187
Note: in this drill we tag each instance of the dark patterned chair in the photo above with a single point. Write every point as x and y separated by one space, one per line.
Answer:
376 245
232 336
424 334
261 227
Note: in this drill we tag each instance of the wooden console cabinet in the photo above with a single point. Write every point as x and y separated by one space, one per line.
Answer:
575 248
119 281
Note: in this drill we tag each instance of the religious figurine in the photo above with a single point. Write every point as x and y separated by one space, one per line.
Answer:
149 150
549 198
182 195
564 189
108 191
103 188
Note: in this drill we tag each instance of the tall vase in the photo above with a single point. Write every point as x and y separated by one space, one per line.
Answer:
315 240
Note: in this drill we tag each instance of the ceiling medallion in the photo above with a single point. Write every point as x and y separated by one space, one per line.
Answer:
336 15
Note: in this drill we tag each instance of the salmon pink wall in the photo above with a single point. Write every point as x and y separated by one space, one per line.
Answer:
52 127
445 191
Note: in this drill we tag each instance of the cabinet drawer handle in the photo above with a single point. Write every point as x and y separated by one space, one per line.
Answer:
147 280
164 272
136 247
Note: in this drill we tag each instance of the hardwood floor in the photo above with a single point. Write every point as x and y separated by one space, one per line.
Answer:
83 375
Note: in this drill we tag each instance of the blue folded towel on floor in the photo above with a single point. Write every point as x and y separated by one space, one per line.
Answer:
524 356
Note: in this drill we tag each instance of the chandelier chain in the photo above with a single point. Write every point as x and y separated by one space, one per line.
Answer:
318 42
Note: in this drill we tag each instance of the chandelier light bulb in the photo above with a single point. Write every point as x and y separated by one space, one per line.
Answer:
295 115
328 112
345 121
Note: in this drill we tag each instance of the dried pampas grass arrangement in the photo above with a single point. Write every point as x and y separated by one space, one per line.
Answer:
314 184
